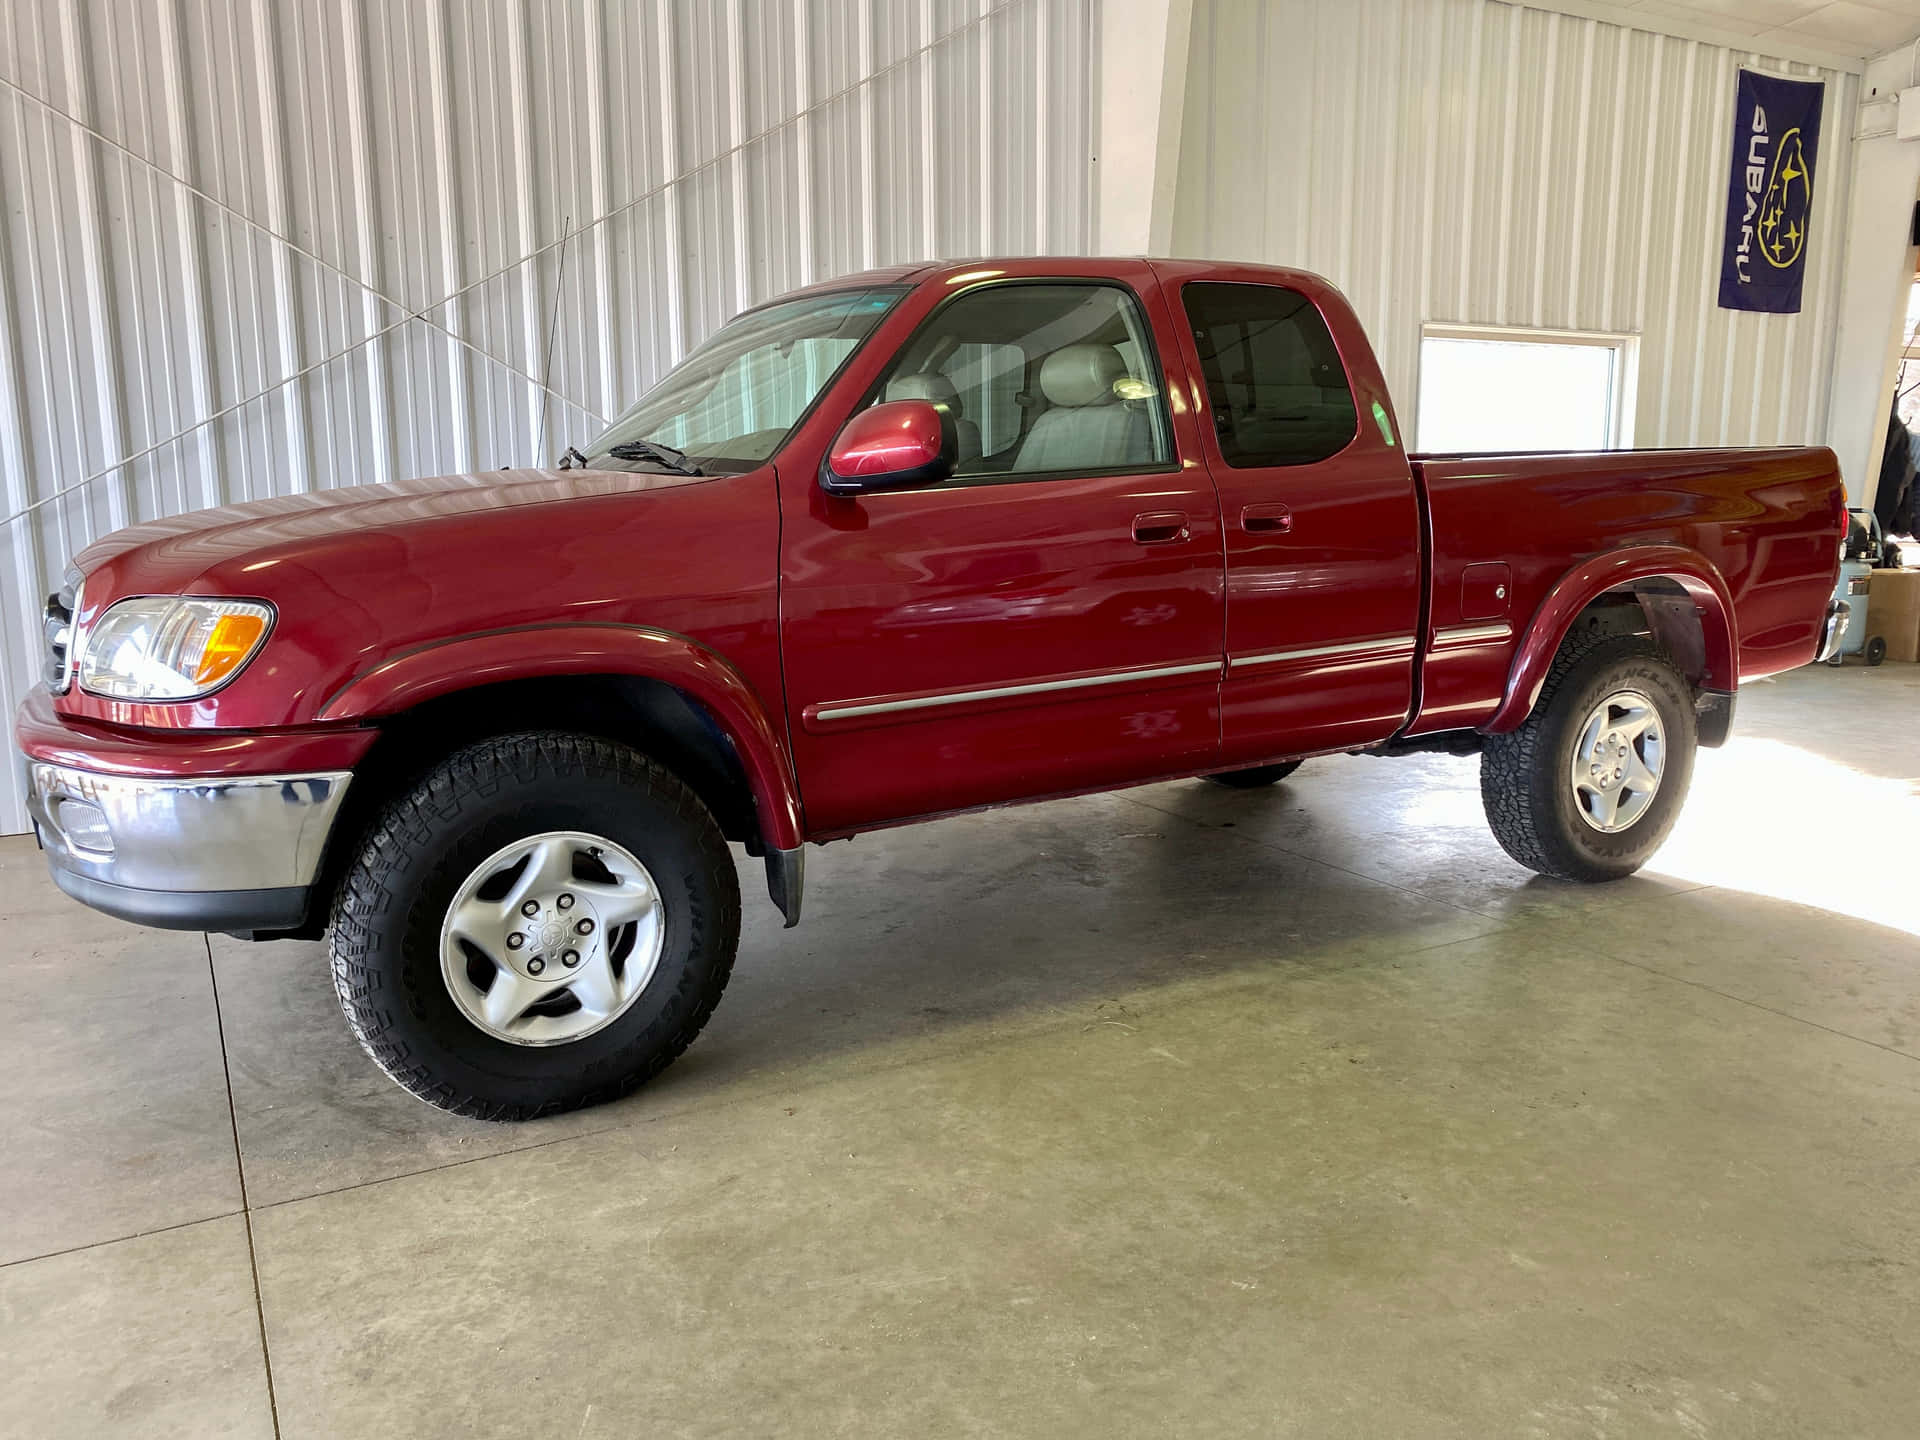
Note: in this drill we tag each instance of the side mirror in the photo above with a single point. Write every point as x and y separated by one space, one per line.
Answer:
891 447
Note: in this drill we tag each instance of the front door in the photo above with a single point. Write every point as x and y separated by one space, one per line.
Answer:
1321 518
1046 620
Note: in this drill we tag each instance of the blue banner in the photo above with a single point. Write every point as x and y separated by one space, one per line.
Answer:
1776 141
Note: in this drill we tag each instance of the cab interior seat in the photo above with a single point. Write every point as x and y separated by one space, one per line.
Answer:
1086 423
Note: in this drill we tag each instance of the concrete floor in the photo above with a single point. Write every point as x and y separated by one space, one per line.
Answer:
1183 1112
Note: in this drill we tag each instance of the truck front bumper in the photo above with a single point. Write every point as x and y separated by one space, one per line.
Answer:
238 853
177 829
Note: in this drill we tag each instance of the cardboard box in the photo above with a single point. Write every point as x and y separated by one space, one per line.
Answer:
1893 611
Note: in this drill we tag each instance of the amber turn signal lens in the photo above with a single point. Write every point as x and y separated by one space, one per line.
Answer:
231 642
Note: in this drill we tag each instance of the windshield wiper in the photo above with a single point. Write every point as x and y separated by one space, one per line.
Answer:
674 460
571 459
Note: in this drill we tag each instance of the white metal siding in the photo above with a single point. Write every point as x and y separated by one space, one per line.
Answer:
1471 162
412 204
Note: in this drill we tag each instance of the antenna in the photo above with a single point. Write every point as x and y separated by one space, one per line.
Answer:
553 329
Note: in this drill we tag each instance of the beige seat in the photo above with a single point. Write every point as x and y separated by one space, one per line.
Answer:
1086 426
937 389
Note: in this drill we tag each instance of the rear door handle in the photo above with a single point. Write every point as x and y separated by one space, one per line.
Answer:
1161 527
1266 520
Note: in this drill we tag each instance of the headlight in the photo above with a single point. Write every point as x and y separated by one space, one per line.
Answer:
169 648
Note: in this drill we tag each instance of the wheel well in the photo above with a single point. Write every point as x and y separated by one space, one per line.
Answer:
650 715
1658 607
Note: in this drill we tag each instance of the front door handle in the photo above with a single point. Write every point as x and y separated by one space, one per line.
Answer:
1266 520
1161 527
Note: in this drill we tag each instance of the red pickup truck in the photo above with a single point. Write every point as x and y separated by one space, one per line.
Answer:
916 541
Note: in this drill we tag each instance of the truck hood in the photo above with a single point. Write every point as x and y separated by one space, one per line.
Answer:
359 575
166 556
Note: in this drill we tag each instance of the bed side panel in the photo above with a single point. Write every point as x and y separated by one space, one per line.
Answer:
1763 518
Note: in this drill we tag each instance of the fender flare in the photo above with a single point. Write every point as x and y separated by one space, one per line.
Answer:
427 672
1593 577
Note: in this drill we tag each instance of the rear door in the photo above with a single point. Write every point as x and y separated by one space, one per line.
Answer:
1321 518
1046 620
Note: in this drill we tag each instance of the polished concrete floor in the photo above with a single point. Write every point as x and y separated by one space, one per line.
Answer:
1178 1112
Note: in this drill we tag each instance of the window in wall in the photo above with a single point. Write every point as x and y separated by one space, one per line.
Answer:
1496 389
1275 383
1042 379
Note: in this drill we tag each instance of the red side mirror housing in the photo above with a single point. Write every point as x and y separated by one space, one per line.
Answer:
891 447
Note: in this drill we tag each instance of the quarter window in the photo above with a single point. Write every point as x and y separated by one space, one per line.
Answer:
1041 379
1275 384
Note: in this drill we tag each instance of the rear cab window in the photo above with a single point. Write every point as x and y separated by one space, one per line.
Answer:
1275 384
1043 379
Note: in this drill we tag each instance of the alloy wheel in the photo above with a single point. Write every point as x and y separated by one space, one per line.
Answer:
552 938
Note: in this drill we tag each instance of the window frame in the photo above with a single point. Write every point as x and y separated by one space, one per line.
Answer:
1206 395
1625 385
1170 466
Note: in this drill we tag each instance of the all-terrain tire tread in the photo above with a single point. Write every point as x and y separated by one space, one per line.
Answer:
407 823
1519 805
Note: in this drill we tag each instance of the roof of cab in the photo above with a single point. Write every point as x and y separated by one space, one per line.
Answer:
885 275
1042 266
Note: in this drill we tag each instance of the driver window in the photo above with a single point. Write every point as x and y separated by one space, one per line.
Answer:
989 380
1041 379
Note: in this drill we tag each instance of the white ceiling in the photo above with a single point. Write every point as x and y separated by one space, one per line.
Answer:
1859 29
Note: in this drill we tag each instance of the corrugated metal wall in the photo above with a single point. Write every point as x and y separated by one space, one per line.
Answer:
377 238
1479 163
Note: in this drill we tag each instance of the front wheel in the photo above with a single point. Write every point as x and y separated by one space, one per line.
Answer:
545 921
1588 787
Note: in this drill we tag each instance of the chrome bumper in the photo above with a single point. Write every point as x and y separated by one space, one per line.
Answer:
1838 613
231 853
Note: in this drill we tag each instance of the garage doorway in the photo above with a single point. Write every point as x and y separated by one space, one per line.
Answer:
1906 390
1486 388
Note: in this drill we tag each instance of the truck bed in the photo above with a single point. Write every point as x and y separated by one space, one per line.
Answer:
1764 519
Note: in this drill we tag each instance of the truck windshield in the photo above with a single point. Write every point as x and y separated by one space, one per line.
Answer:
730 404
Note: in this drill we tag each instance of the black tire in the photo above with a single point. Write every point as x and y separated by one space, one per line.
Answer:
1524 775
385 936
1876 649
1256 777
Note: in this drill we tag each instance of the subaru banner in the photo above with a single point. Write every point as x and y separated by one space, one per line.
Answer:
1776 142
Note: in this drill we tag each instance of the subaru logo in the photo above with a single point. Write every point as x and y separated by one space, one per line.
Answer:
1783 209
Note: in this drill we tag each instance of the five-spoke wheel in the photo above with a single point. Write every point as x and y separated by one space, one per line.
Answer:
543 921
551 938
1617 761
1589 785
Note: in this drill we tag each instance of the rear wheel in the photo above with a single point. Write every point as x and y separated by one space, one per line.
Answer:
545 921
1256 777
1876 650
1589 786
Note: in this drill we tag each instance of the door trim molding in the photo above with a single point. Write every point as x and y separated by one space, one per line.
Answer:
838 710
1473 634
1385 647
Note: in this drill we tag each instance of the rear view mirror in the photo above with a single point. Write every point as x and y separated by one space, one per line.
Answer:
891 447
